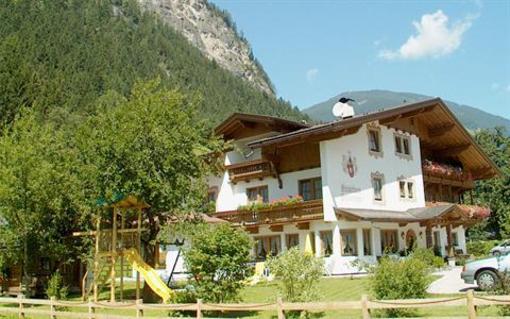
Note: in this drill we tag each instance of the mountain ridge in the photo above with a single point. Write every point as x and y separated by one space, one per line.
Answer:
371 100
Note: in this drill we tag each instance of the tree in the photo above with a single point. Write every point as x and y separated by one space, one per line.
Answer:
298 274
151 145
41 193
495 192
218 257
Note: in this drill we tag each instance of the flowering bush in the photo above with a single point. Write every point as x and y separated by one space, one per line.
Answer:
477 212
280 202
445 170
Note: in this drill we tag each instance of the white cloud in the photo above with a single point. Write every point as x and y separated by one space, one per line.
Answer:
312 74
434 38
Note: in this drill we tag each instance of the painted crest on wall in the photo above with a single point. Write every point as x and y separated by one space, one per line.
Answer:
349 164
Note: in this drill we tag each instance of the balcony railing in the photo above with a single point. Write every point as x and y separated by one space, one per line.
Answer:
435 172
249 170
298 212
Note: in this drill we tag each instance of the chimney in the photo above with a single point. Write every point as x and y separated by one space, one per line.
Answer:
342 110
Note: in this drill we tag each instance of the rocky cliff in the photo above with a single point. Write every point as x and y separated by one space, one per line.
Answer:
213 31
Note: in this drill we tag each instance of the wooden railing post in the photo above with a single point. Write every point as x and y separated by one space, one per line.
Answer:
199 308
471 304
139 310
365 311
21 313
52 308
91 309
279 308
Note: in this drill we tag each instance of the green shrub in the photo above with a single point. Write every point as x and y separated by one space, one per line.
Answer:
298 274
428 257
399 279
480 248
218 260
503 288
56 287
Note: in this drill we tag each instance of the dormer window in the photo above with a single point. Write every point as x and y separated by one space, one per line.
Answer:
374 140
402 145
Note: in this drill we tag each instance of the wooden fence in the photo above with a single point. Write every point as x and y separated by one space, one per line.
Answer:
61 309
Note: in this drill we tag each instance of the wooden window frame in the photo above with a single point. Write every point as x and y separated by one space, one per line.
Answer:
258 190
312 181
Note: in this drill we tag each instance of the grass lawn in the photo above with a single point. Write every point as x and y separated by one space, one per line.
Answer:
331 289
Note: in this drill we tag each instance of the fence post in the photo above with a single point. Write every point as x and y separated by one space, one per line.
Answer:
21 313
139 310
199 308
279 308
52 308
471 304
365 312
91 308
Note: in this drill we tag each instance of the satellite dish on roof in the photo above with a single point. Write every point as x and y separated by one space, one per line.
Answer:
342 109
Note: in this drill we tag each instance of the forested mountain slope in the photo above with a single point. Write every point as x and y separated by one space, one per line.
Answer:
60 56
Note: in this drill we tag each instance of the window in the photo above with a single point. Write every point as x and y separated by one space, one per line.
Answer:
310 189
367 242
398 144
267 246
402 189
258 194
349 243
402 145
326 243
374 140
410 189
292 240
407 149
455 239
377 185
389 241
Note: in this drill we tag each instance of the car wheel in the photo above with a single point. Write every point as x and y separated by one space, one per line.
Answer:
496 253
486 279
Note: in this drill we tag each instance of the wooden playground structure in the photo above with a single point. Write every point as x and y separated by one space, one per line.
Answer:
117 245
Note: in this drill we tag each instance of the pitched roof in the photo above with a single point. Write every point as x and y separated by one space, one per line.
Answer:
238 122
442 132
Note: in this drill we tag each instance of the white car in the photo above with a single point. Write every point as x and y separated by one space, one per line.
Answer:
487 272
501 249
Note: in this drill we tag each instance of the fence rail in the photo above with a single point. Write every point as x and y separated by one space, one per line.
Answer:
56 310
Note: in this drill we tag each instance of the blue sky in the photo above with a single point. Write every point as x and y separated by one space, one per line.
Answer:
313 50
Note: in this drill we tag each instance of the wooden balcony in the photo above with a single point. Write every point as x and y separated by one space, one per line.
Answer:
438 173
295 213
250 170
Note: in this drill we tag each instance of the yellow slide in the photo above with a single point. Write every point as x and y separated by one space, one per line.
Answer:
150 275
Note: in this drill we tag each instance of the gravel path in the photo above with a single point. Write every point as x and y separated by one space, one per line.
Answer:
449 283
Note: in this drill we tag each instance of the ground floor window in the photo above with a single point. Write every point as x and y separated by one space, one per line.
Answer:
349 242
326 242
367 242
455 237
292 240
267 246
389 241
437 242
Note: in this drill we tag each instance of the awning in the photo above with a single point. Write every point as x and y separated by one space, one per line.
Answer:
434 214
